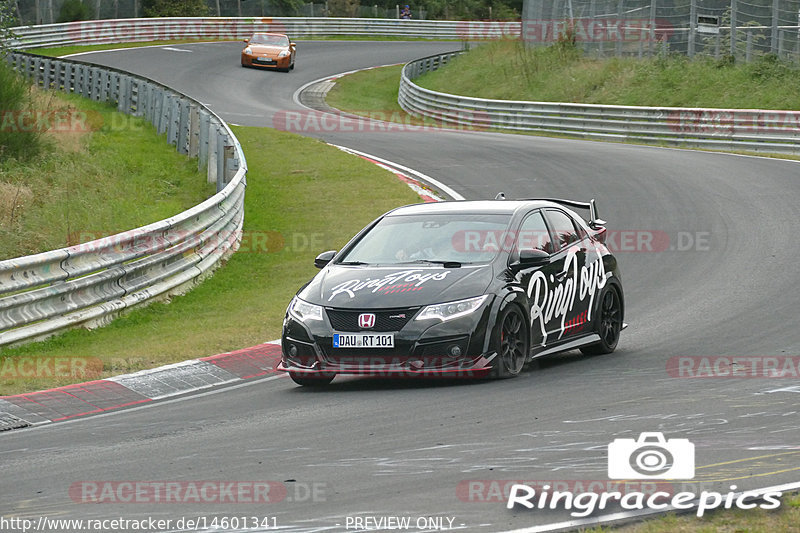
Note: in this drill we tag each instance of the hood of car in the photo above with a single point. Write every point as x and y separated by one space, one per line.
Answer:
358 287
267 49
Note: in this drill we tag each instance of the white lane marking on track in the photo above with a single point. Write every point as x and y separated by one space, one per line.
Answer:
423 177
176 49
134 48
583 522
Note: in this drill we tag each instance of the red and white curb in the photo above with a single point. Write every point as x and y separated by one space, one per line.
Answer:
104 395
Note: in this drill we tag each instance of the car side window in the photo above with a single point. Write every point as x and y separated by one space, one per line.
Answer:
533 234
564 230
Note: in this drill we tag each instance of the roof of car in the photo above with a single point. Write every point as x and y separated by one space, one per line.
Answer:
472 206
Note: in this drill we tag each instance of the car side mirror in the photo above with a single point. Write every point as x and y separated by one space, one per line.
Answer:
292 45
532 258
324 258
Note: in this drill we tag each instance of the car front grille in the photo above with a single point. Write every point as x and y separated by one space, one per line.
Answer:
385 320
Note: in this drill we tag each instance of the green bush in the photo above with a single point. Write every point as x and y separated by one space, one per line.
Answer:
72 10
17 141
175 8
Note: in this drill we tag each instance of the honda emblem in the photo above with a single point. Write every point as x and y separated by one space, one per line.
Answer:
366 320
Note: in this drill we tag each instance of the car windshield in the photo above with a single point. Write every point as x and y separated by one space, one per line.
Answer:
456 238
271 40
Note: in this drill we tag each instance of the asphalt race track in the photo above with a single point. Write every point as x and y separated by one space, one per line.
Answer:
725 283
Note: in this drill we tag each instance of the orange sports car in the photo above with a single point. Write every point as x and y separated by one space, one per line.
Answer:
269 50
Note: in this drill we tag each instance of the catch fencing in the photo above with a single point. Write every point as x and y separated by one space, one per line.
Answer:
717 129
88 284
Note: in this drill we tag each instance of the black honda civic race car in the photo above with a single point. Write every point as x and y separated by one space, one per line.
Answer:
461 289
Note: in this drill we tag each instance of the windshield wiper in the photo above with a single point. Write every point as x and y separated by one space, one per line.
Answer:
352 263
446 264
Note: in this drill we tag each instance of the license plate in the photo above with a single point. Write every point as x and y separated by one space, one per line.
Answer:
264 59
363 340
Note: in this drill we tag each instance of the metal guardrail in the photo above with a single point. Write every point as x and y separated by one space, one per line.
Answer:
88 284
752 130
156 29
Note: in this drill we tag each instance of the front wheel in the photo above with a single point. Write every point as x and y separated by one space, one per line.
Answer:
315 380
609 323
511 342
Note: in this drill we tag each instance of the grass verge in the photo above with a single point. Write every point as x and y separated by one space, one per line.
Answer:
303 197
79 187
507 70
786 519
373 93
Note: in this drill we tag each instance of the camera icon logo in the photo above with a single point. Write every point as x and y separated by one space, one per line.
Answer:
651 457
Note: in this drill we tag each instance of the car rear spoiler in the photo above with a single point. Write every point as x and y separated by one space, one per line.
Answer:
594 221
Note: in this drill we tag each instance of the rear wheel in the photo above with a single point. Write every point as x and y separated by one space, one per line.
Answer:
315 380
511 342
609 323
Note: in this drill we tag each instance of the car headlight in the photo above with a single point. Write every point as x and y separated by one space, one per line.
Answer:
283 53
248 51
304 311
451 310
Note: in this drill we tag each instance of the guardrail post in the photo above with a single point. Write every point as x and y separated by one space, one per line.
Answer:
202 149
113 88
220 141
134 100
230 162
748 52
174 121
213 151
88 80
105 86
163 112
183 127
125 88
194 130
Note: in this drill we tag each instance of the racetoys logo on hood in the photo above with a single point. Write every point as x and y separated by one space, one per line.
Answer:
414 279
